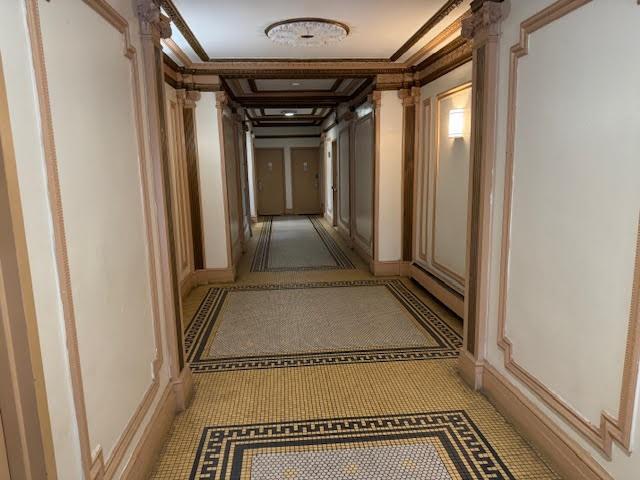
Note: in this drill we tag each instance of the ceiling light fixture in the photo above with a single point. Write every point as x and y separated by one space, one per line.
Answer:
295 84
307 32
289 114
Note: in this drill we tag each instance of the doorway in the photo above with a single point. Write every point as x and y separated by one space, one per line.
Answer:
305 180
269 164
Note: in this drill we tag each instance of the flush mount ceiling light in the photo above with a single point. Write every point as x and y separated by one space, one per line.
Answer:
288 113
307 32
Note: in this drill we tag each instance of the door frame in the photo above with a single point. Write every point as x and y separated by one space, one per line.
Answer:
23 397
257 179
293 193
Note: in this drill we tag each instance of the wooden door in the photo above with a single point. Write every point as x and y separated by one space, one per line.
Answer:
305 180
269 164
334 181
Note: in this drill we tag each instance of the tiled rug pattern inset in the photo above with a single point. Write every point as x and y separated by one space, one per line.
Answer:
297 244
447 444
398 462
270 326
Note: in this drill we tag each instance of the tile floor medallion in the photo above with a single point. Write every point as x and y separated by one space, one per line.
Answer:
434 446
292 243
270 326
331 374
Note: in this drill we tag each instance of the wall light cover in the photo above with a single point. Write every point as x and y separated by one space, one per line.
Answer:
456 123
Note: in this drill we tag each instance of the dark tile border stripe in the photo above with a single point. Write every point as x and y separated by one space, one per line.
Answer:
221 449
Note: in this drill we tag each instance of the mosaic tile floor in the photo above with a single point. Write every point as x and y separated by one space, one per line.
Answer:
365 388
297 243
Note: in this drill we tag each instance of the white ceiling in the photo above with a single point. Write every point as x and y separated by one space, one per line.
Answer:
235 29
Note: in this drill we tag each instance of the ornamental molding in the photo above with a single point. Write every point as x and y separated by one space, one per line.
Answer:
485 20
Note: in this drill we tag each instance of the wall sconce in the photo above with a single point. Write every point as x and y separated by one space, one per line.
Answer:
456 123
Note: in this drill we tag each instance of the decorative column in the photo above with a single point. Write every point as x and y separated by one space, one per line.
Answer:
153 27
410 98
193 175
483 28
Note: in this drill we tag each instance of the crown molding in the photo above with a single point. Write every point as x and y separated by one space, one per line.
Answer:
440 15
224 63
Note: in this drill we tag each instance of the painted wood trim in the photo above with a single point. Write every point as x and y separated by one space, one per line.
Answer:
146 453
93 463
566 455
25 422
436 287
610 428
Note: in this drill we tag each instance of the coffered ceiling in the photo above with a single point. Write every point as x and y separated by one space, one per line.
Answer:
389 31
303 102
225 42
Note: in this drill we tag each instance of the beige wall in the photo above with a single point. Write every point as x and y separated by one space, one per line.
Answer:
287 144
442 172
211 187
574 210
390 178
115 319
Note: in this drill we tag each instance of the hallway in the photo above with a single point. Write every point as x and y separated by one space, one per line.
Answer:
317 373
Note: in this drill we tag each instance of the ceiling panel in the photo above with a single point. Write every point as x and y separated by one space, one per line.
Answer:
304 84
227 29
297 111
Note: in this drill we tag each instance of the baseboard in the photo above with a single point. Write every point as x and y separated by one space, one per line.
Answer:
393 268
146 452
187 285
566 455
470 370
288 211
452 299
183 389
213 275
362 252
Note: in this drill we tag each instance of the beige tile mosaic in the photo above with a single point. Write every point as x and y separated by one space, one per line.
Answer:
373 420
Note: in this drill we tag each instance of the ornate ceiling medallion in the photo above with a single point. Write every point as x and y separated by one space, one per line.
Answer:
307 32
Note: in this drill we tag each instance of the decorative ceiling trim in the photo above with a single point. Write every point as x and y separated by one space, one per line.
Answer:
193 42
450 30
445 10
186 32
311 31
336 84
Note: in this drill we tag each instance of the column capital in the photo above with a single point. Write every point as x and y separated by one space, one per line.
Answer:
152 21
181 95
222 100
485 20
409 96
191 97
375 98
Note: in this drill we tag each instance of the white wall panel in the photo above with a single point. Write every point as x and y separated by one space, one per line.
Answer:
98 165
576 199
